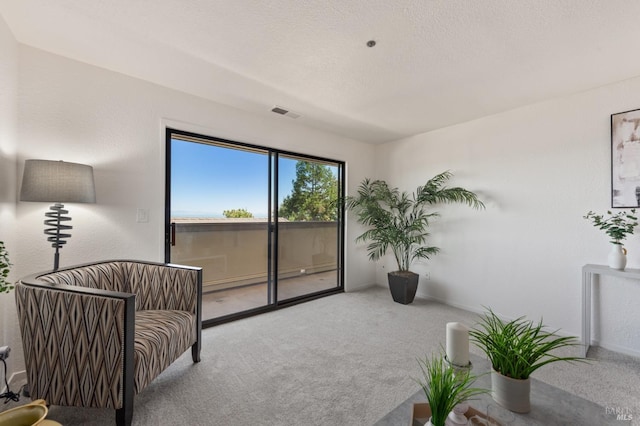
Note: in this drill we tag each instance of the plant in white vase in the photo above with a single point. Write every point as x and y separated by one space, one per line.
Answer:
516 349
617 226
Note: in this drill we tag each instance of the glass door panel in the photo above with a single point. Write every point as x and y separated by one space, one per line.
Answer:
308 242
219 212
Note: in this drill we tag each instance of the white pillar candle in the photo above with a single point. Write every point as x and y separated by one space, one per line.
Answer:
457 345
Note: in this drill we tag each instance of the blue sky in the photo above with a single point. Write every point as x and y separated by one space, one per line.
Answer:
206 180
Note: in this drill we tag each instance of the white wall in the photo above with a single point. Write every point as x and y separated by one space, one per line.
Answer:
75 112
539 169
8 148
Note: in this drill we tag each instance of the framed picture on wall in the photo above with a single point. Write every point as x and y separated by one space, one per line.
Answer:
625 159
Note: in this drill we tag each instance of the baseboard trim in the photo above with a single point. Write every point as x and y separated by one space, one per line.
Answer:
616 348
16 380
18 376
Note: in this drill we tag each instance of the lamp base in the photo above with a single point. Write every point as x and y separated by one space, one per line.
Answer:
56 237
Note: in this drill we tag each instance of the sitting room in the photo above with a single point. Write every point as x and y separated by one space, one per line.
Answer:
202 128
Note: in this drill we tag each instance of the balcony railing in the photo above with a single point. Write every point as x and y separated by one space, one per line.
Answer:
234 252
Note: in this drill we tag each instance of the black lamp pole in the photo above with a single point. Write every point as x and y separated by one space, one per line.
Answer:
56 238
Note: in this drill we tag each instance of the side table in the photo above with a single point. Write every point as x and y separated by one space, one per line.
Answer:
589 275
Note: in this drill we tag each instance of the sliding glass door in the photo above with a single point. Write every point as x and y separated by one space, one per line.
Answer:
265 226
308 226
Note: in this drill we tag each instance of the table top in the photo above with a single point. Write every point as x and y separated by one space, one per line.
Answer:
606 270
549 405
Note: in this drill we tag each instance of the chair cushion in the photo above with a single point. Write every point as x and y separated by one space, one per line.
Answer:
160 338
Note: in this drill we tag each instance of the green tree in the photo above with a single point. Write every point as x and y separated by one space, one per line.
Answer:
236 213
314 194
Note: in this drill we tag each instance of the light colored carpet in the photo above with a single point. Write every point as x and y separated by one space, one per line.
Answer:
346 359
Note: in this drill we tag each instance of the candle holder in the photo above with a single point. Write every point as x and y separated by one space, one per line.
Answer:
458 368
457 416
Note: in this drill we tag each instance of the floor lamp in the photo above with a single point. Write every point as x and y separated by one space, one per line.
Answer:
58 182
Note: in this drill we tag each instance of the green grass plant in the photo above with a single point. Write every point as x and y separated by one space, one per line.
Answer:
517 348
445 387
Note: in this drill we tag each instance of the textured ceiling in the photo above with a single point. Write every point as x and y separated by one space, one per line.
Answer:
436 62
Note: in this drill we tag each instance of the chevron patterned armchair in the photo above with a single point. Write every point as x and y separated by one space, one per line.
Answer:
95 335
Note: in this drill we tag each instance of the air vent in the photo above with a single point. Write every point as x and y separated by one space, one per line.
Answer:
283 111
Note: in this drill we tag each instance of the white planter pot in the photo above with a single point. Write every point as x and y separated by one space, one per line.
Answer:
512 394
617 257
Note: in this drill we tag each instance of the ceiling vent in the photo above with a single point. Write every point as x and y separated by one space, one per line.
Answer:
283 111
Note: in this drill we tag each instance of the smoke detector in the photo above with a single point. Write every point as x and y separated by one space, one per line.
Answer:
283 111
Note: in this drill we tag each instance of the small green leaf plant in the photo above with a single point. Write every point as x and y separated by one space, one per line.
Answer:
517 348
445 387
5 285
616 226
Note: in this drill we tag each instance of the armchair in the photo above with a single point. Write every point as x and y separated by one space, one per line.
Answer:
95 335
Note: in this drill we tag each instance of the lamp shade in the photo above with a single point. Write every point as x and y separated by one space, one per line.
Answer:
58 182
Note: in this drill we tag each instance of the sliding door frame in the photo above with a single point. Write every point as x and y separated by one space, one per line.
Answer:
272 250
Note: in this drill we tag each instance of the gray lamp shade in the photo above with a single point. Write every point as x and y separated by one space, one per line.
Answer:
58 182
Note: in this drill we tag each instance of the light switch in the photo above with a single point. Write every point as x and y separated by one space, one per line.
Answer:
142 216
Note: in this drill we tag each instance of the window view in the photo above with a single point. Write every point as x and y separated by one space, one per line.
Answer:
224 199
308 226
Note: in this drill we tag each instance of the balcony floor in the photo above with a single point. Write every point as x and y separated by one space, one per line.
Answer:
234 300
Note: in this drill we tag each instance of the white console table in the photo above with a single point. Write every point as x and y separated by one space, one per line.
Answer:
588 276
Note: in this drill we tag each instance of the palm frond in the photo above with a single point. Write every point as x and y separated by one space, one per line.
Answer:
455 195
398 220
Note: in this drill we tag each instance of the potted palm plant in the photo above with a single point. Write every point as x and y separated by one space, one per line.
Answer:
617 227
516 349
445 387
399 222
5 285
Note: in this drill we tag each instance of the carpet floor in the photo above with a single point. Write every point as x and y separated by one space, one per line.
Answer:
346 359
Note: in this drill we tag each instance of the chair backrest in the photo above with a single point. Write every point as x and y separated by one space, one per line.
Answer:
104 276
159 287
155 285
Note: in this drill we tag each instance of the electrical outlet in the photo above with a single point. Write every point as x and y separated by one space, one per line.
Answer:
427 276
4 352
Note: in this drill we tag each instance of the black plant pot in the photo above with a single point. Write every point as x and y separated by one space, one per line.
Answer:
403 286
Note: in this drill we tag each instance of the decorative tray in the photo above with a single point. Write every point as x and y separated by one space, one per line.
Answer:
422 413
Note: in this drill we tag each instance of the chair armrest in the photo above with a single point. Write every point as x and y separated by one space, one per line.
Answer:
76 342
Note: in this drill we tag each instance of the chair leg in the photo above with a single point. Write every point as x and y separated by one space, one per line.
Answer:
195 351
124 416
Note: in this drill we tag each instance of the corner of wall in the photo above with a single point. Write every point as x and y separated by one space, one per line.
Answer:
9 334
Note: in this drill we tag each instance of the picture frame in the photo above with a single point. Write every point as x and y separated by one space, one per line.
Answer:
625 159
